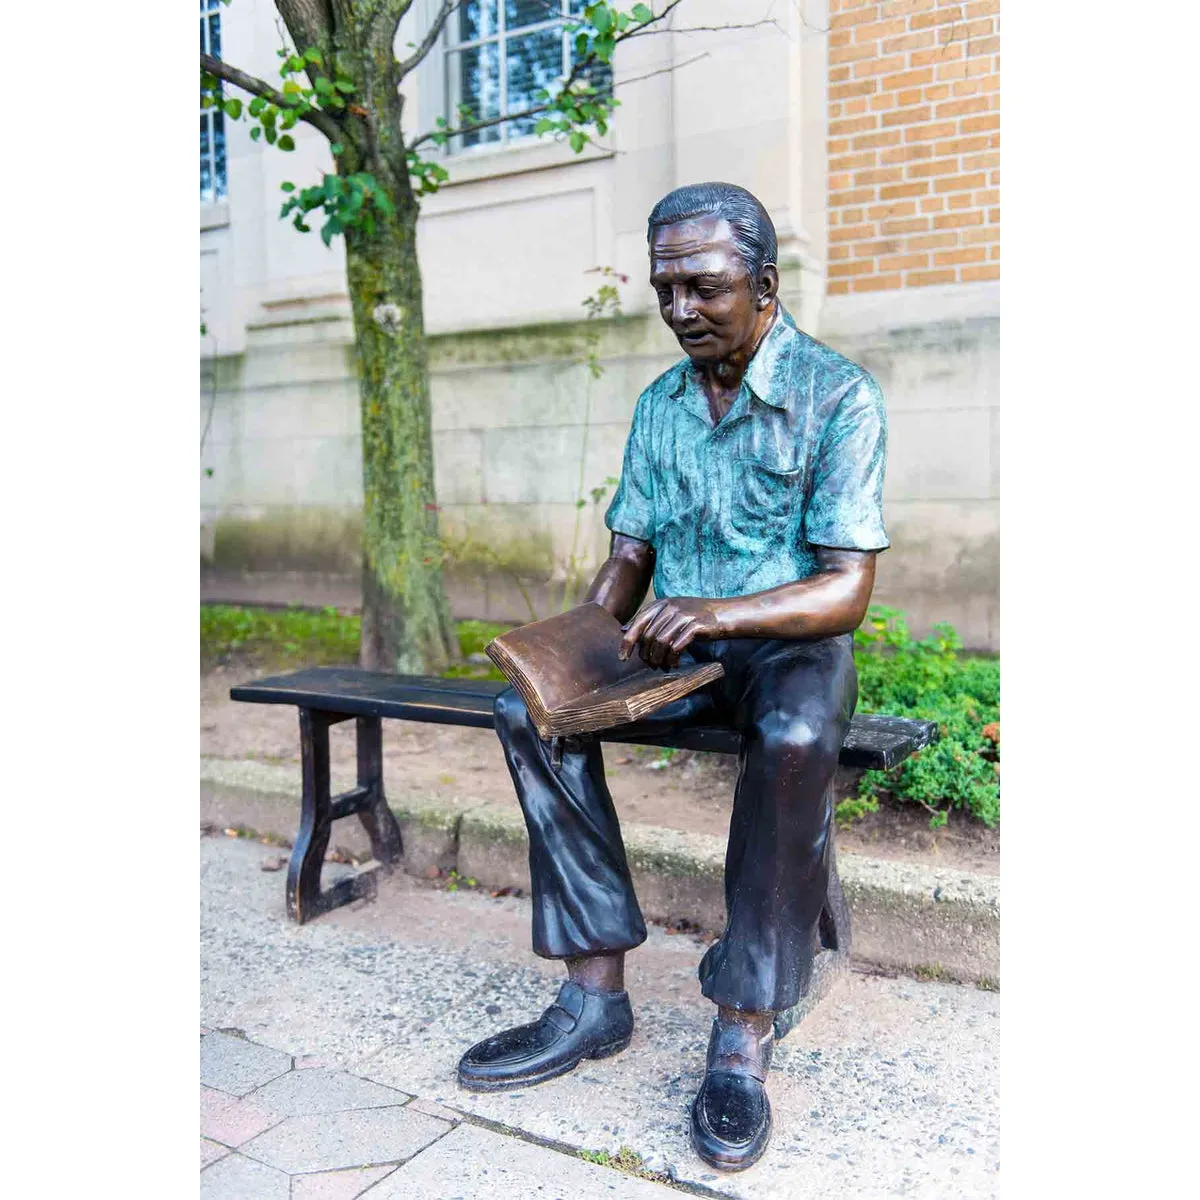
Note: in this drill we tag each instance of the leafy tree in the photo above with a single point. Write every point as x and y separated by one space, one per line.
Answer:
341 76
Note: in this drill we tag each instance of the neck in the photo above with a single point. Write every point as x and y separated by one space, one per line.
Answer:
727 374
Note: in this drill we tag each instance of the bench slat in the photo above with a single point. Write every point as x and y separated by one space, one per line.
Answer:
873 741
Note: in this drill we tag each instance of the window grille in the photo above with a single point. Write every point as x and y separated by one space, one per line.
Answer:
212 120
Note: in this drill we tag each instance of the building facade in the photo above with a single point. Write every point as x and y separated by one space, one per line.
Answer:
869 131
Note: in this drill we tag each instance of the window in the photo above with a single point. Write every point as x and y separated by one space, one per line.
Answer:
501 53
212 120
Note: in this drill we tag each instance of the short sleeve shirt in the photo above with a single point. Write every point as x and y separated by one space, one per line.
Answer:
740 506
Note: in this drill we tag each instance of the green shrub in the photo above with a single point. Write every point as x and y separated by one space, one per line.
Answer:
932 680
278 637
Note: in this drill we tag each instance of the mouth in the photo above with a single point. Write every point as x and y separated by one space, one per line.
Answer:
694 338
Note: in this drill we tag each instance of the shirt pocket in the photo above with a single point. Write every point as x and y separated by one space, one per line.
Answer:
766 500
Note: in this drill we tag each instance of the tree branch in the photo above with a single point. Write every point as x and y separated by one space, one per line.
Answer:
427 42
643 30
327 123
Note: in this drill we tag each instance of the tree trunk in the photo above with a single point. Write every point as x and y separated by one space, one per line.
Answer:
406 618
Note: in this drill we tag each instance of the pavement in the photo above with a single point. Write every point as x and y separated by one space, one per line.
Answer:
328 1053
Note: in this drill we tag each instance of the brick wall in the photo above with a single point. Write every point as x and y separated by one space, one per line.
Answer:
914 143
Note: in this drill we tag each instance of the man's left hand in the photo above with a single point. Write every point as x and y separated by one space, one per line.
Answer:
664 629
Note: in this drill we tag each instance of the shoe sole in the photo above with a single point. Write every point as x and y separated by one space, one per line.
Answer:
504 1085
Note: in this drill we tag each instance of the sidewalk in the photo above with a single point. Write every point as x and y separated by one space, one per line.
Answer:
340 1081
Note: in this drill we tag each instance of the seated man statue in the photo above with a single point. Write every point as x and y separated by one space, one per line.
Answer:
751 494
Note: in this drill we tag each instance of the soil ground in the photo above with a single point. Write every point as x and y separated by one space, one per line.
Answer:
691 791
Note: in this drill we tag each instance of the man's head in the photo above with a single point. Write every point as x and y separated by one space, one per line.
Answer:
712 265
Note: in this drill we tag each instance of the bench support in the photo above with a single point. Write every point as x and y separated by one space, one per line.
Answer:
319 809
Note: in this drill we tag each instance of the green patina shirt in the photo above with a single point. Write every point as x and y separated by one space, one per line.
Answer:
739 507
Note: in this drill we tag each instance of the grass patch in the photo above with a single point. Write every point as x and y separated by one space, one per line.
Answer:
627 1160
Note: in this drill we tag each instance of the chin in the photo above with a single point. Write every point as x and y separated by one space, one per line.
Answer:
705 352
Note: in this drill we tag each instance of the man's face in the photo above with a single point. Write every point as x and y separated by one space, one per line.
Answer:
705 294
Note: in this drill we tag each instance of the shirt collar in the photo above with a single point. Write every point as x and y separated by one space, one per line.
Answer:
766 373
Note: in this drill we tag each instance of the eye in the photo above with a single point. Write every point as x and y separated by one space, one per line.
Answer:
664 298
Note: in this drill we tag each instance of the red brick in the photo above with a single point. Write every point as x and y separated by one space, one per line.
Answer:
853 107
852 216
933 204
904 8
858 196
988 45
987 197
980 237
838 145
965 145
906 116
874 249
874 30
853 162
937 166
961 200
937 56
878 175
837 287
977 29
954 258
928 20
853 125
930 133
955 220
840 182
994 215
960 183
846 233
880 66
850 54
981 162
981 8
839 74
901 208
906 79
994 253
954 70
908 97
847 19
981 124
978 274
910 41
928 278
907 225
868 141
933 241
839 252
939 91
911 152
876 283
842 270
885 101
897 191
903 262
861 87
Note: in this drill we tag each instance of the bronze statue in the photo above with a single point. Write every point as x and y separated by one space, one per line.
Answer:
751 496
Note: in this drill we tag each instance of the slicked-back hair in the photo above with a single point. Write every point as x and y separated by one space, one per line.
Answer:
753 231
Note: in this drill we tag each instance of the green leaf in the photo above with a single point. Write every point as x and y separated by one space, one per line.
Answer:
344 85
601 18
256 133
271 135
257 105
543 126
331 227
287 187
322 85
291 88
578 141
313 55
642 13
286 142
337 148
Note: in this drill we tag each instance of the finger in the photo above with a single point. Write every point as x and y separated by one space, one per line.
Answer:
654 638
682 639
633 631
666 635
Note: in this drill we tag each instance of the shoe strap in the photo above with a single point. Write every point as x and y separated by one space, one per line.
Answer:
567 1008
733 1047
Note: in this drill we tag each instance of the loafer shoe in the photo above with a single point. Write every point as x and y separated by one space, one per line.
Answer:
731 1115
576 1026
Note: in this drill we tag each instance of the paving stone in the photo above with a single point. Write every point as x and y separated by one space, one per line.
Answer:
234 1065
482 1165
431 1108
210 1152
322 1090
231 1119
358 1138
237 1178
337 1185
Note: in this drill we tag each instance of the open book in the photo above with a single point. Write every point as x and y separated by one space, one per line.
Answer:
567 671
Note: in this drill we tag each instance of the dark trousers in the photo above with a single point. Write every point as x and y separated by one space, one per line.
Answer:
792 703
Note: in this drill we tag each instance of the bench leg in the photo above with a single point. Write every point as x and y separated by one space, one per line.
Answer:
387 846
833 952
305 899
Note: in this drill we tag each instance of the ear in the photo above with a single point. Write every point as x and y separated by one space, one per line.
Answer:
768 286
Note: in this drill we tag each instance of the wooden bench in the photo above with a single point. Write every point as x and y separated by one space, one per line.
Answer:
328 695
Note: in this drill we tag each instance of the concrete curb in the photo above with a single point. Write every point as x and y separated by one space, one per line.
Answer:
932 921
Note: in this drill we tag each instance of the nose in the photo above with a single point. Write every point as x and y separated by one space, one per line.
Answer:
683 311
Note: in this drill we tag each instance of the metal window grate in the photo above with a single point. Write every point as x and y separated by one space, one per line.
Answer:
212 120
501 52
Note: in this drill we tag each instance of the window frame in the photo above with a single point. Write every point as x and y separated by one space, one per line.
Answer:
213 119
